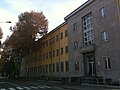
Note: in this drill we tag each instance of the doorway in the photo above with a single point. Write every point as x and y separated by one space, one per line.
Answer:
89 64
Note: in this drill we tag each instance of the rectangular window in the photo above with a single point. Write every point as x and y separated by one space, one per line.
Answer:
62 67
49 67
57 52
88 30
46 55
46 43
76 66
66 49
46 66
53 40
61 35
102 12
75 45
49 41
61 51
43 56
107 63
74 26
57 38
66 66
66 33
57 67
53 53
53 67
105 36
40 57
50 54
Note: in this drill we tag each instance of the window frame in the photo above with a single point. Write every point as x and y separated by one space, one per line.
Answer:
75 45
107 61
102 12
66 33
104 36
77 67
74 26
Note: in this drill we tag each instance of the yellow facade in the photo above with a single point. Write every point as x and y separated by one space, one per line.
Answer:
50 58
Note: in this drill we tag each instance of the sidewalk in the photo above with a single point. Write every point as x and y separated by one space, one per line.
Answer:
73 86
76 86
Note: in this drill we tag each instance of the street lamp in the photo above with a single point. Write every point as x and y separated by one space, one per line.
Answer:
6 22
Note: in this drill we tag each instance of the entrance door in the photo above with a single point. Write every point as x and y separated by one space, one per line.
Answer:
91 68
89 64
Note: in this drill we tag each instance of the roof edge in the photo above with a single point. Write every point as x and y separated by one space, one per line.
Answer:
78 9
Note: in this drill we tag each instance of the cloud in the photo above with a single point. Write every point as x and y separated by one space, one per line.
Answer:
6 16
54 10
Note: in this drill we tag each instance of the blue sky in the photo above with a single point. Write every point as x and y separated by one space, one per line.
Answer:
54 10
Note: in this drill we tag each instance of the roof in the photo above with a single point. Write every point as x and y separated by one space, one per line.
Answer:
78 9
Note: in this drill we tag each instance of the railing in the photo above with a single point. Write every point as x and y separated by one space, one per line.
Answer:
85 49
98 81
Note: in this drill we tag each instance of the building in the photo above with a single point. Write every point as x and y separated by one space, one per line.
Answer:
50 58
93 40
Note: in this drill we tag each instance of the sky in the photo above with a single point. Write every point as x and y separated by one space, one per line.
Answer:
54 10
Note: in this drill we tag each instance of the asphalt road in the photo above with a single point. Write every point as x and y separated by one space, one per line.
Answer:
23 85
33 85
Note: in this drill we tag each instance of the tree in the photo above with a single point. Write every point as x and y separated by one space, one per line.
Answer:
31 26
1 33
12 63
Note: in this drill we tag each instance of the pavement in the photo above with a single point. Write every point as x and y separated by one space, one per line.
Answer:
76 86
72 86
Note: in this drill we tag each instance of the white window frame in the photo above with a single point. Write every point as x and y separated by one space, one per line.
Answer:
107 63
102 12
88 30
75 45
105 36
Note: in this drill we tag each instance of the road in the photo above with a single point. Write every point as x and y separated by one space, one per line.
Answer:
32 85
23 85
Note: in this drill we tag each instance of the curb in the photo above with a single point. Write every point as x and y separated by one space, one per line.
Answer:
107 86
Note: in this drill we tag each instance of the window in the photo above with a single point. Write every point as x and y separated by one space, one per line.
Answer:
50 54
57 52
61 35
53 39
107 63
57 38
66 49
57 67
46 55
43 56
75 45
66 33
46 66
105 36
62 66
53 67
53 53
40 57
76 66
102 12
49 41
74 26
49 67
88 30
66 66
61 50
46 43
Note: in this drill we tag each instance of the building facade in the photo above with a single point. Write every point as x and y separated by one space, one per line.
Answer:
50 59
93 40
